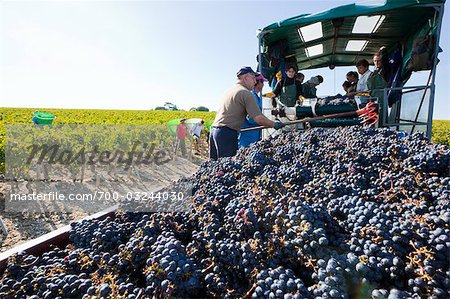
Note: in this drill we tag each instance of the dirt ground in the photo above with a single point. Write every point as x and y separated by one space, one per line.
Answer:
26 225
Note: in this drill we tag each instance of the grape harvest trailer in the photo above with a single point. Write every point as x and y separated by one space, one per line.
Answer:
59 237
346 213
339 37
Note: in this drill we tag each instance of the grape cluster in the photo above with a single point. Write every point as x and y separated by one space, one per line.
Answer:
169 270
326 213
331 279
279 283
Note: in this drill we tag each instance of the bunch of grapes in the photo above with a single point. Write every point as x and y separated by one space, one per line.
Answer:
325 213
169 271
279 283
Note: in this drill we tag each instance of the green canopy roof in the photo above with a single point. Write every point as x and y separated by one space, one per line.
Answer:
401 20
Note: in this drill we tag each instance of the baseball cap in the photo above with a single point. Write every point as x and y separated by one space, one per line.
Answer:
314 80
245 70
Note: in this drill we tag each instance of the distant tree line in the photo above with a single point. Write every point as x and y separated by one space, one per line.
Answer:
172 107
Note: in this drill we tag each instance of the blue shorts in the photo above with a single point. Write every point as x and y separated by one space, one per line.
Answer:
223 142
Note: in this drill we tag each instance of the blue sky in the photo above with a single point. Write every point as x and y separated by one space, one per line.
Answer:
137 55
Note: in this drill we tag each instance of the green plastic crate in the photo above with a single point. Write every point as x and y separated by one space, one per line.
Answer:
43 118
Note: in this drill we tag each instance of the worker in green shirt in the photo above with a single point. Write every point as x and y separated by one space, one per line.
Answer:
289 89
376 82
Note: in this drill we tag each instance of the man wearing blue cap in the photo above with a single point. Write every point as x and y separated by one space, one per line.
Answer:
247 138
233 108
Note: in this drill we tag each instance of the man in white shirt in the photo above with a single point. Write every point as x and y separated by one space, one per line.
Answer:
364 73
196 132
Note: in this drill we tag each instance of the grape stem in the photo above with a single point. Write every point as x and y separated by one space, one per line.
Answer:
209 268
250 292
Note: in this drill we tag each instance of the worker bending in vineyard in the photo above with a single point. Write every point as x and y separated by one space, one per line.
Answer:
234 106
196 133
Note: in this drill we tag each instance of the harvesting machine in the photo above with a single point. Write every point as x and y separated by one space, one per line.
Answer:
341 36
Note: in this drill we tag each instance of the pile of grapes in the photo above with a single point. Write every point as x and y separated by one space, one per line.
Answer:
328 213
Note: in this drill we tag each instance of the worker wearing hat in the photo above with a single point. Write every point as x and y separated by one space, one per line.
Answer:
247 138
182 130
233 108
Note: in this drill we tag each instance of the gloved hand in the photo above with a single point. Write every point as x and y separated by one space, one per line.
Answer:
278 125
279 76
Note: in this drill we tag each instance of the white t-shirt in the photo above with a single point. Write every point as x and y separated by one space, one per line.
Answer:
362 82
197 129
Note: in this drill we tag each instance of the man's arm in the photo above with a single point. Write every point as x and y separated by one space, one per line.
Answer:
254 112
264 121
299 88
278 86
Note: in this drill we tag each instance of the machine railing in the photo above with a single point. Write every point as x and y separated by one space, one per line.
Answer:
411 112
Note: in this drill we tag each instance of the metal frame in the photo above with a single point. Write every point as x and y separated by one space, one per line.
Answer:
384 121
439 8
430 85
